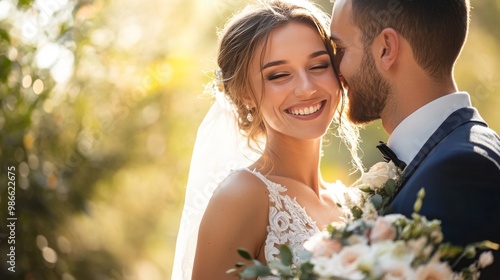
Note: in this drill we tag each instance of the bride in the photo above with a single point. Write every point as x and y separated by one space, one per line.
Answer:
263 188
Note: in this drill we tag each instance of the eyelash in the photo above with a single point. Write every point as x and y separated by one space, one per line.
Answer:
322 66
277 76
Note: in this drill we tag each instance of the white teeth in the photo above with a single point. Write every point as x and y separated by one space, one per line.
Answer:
306 111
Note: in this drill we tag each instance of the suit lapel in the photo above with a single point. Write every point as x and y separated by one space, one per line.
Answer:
455 120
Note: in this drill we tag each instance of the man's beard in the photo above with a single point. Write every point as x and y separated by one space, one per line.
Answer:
367 92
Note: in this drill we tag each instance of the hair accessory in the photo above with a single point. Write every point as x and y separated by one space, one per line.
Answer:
218 80
218 75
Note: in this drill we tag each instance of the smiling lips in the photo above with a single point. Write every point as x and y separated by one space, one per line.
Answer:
304 111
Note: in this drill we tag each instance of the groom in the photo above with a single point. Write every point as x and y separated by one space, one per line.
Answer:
396 58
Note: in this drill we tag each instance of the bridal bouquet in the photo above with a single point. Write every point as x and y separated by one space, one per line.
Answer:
373 246
390 247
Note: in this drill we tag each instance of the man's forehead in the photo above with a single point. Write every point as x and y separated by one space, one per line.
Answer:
343 31
341 17
342 10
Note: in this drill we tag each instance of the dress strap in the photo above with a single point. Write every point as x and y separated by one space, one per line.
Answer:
269 184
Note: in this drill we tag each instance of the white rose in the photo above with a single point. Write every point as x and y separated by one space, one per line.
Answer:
395 269
392 218
357 239
378 174
325 267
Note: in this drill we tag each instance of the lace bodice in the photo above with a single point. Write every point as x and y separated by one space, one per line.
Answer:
288 221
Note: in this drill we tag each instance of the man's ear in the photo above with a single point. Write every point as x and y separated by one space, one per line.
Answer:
387 45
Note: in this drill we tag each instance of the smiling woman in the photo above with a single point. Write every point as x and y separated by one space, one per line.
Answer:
294 80
277 79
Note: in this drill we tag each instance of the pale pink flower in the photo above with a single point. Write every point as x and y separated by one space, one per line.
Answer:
326 248
348 260
433 271
485 259
417 245
382 230
320 245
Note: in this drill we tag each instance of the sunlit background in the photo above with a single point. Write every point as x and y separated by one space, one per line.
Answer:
99 106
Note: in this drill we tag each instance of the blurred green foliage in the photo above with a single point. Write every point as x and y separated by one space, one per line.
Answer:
99 106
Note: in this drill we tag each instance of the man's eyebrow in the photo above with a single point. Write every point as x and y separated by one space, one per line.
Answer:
279 62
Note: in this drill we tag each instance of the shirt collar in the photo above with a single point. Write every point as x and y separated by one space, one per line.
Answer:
412 133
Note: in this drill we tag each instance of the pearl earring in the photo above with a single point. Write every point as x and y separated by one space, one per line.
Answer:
249 115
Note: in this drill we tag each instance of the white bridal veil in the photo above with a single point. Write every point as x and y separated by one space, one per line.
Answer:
219 148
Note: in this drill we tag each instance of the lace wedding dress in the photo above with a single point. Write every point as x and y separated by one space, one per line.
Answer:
288 221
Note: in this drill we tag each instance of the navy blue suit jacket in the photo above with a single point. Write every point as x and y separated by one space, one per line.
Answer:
459 168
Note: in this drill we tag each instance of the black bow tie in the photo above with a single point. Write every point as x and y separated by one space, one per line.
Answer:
389 155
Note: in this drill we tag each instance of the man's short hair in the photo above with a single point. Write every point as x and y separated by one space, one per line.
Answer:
435 29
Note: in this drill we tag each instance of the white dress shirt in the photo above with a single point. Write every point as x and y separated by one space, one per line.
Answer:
412 133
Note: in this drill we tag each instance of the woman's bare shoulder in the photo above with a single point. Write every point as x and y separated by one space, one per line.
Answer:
242 183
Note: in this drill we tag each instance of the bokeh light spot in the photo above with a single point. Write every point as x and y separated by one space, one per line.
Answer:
24 169
38 86
27 80
41 242
49 255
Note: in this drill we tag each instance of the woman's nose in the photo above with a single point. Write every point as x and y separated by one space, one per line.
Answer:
305 85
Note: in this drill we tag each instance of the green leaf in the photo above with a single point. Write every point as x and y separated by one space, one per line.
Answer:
4 35
390 187
286 255
306 270
356 212
304 255
5 68
366 189
256 271
24 3
386 200
244 253
376 200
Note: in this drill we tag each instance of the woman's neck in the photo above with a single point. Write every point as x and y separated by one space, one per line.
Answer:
295 159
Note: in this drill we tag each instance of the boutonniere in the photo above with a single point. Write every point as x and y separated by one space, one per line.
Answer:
379 186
